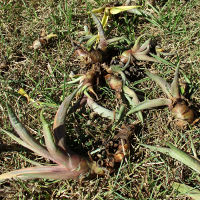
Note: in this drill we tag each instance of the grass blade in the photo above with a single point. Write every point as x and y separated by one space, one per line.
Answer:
150 104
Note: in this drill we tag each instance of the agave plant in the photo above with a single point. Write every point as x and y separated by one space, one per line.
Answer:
138 52
95 55
69 165
120 85
177 104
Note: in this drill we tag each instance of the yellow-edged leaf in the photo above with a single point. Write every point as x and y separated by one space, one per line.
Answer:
99 10
104 20
23 93
116 10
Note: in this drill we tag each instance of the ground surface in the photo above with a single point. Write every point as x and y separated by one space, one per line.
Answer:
174 25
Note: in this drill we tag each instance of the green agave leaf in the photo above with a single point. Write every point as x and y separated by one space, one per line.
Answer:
137 44
55 152
145 45
75 80
120 113
102 40
47 172
134 101
91 41
187 190
138 114
150 104
21 142
101 110
132 94
175 85
143 57
161 82
178 155
184 158
115 39
116 10
26 136
59 120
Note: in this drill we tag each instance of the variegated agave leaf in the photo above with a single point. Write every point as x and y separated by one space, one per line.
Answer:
175 85
162 83
101 110
150 104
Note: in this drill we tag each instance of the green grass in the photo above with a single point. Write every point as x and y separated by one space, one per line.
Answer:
144 174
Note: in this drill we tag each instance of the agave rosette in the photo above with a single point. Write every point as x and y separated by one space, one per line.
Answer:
121 85
69 165
138 52
178 106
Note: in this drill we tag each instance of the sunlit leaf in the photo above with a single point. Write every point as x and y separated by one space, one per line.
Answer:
150 104
162 83
175 85
101 110
116 10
